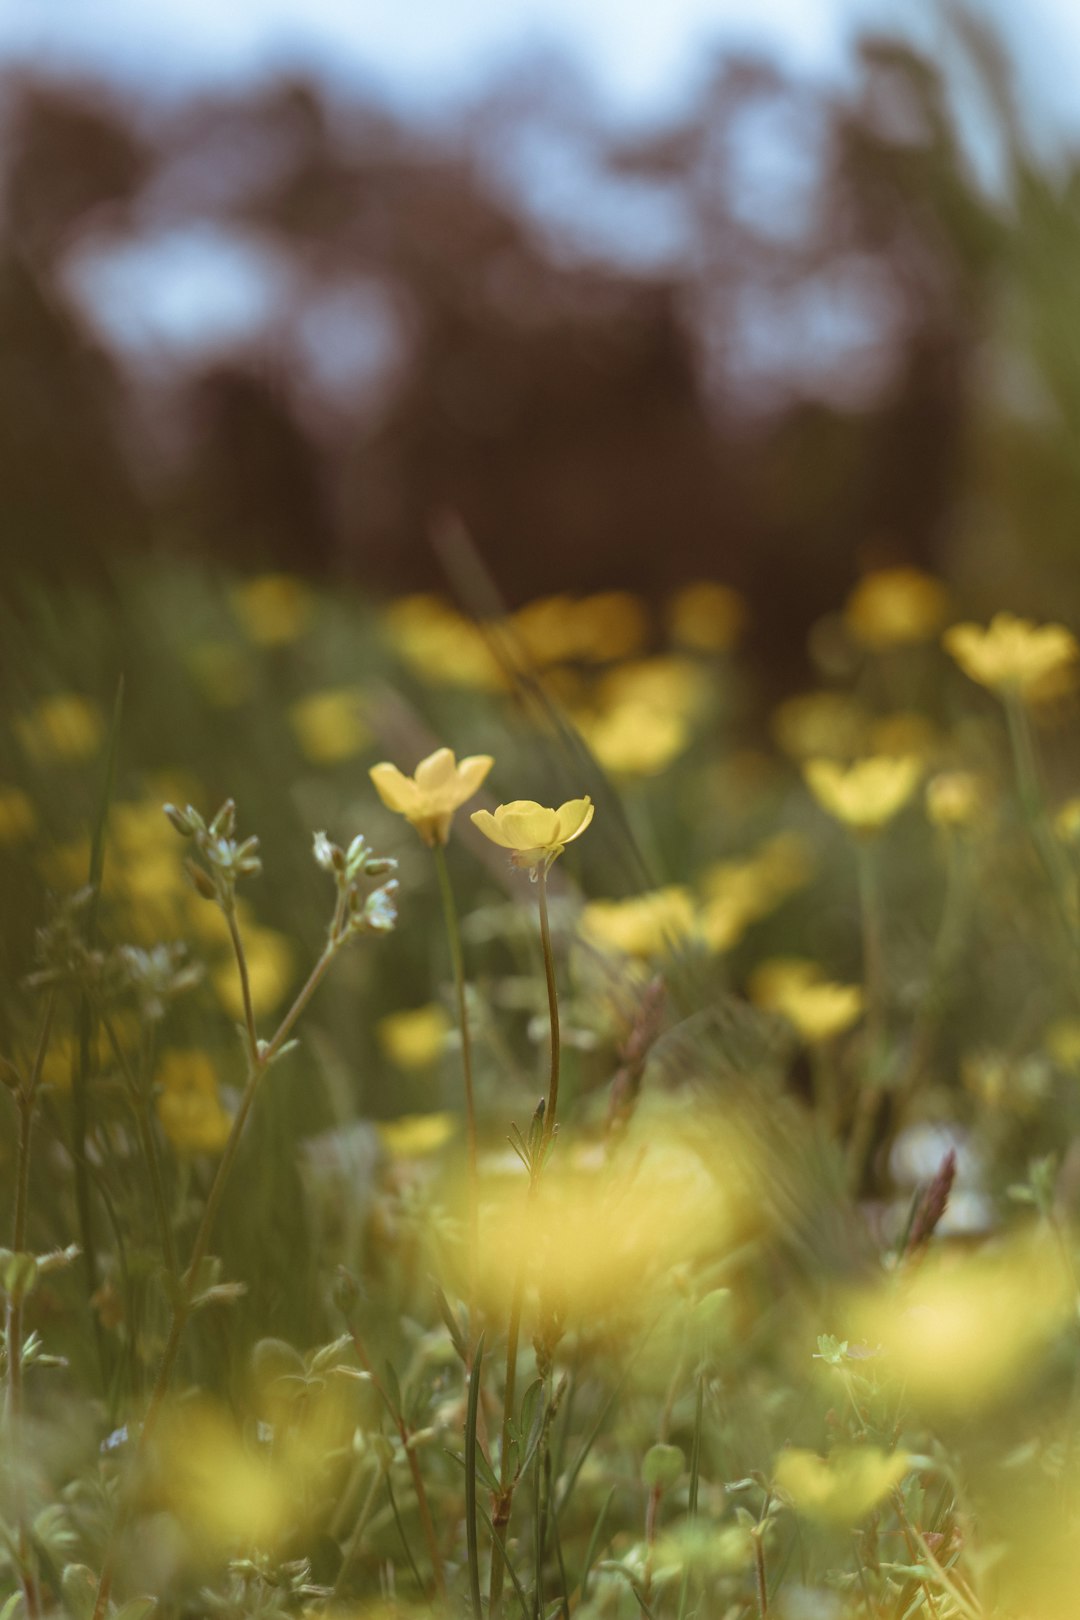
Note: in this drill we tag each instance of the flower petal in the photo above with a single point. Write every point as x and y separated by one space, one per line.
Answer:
471 772
436 772
528 826
573 817
397 792
486 822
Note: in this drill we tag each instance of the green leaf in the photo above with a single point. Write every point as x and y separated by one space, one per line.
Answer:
662 1467
79 1584
136 1609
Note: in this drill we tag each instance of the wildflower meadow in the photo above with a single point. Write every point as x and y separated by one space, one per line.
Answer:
505 1116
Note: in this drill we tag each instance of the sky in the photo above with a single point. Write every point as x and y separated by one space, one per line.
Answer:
640 52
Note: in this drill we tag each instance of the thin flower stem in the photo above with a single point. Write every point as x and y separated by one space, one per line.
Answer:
457 957
550 1111
245 979
869 1096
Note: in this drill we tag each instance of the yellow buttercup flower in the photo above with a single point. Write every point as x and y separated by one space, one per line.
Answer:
1012 654
414 1037
414 1136
868 793
634 739
437 788
840 1489
328 725
441 645
894 606
189 1107
273 609
954 798
17 818
707 617
62 729
819 1008
535 835
644 925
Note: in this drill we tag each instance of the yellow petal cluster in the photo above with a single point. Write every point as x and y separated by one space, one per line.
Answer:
591 629
868 793
954 799
440 645
534 834
329 726
706 617
17 818
273 609
415 1037
189 1107
819 1008
61 730
896 605
840 1489
438 787
414 1136
1012 654
644 925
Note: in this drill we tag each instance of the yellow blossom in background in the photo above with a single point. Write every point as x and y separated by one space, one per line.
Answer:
706 617
438 787
271 969
825 725
415 1037
895 606
329 725
954 799
819 1008
592 629
668 684
273 609
535 835
868 793
441 645
414 1136
738 893
17 818
189 1106
601 1233
964 1329
840 1489
1062 1041
224 1491
1067 821
634 739
61 730
644 925
1011 654
224 674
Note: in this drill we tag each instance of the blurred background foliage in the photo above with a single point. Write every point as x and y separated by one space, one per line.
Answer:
790 331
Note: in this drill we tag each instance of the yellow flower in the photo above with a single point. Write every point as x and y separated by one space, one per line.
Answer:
641 926
270 973
954 798
441 645
1062 1041
1012 654
535 835
437 788
740 892
273 609
843 1488
827 725
224 674
189 1107
706 617
414 1136
595 629
328 725
62 729
867 794
819 1008
669 685
414 1037
894 606
634 739
17 818
1067 821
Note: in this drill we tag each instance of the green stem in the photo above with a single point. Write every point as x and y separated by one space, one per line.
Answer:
550 1112
869 1096
501 1517
1033 804
143 1124
457 957
245 980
